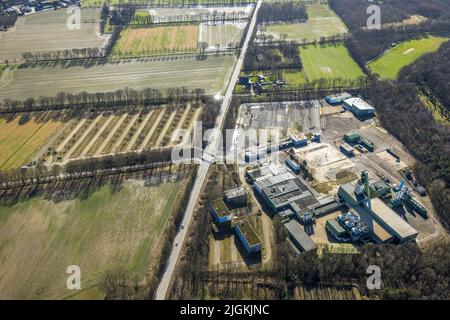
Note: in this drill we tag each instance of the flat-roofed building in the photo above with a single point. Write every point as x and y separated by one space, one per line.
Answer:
360 108
391 221
336 230
219 211
377 232
337 99
248 236
299 237
236 197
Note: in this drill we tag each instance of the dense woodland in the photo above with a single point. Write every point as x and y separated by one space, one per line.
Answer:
282 11
274 57
432 70
354 12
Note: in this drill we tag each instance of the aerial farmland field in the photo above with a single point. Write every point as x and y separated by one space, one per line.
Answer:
221 35
389 64
322 22
19 142
106 232
329 61
49 31
157 40
161 73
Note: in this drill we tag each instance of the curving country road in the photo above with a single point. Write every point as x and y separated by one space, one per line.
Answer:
211 151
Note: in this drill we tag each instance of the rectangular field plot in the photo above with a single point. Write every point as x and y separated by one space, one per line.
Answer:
160 73
19 142
103 233
49 31
322 22
329 61
390 63
108 134
157 40
221 36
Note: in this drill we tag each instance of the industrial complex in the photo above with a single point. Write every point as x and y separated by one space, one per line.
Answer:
326 185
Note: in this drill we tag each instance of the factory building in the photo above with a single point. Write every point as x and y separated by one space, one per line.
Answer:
299 237
236 197
219 211
360 108
336 230
268 170
247 235
279 192
383 222
337 99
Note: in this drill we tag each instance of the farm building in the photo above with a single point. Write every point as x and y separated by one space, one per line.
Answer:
299 237
247 235
347 149
236 197
360 108
219 211
337 99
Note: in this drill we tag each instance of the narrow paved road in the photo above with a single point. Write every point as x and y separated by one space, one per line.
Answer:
211 149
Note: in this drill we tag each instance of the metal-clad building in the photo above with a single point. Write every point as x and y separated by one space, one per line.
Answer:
299 237
360 108
337 99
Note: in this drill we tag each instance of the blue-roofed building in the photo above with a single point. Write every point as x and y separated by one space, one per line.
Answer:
294 166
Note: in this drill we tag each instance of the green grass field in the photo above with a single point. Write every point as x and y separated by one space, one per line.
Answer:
157 40
331 61
390 63
322 22
105 232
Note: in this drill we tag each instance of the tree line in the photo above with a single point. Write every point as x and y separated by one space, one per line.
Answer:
215 17
7 20
282 11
